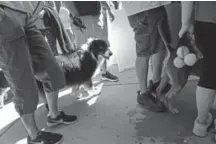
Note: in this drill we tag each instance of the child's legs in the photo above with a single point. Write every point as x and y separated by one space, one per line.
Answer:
204 100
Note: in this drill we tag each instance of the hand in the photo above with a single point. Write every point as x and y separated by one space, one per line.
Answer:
116 5
78 22
111 16
186 28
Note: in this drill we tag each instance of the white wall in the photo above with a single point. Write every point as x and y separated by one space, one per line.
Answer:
122 40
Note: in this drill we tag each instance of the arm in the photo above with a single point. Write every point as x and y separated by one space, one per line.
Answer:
70 5
74 14
116 4
186 18
106 6
187 11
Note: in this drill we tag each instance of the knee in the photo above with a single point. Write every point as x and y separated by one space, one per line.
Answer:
27 103
53 79
142 59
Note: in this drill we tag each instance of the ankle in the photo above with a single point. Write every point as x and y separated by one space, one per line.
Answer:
33 134
143 91
54 115
205 119
104 72
202 121
155 80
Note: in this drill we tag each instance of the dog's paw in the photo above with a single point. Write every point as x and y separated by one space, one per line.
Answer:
79 96
169 105
96 91
174 111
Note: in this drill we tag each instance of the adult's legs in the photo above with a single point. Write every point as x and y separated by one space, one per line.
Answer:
206 89
204 100
106 75
101 31
142 66
49 73
16 64
148 43
157 64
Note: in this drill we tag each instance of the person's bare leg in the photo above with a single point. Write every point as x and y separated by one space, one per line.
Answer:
28 121
142 65
204 100
52 100
157 64
104 67
106 75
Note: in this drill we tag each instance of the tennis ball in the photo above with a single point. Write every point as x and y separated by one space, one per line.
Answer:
178 62
182 51
190 59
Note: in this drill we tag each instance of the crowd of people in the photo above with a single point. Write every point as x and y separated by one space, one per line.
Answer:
25 56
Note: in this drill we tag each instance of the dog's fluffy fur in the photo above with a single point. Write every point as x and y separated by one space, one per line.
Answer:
80 66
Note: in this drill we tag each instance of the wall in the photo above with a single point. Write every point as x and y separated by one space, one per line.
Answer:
122 41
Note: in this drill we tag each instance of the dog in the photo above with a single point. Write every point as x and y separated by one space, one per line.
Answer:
82 65
79 67
177 77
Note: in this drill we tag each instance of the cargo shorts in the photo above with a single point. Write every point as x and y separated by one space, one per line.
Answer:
145 27
24 57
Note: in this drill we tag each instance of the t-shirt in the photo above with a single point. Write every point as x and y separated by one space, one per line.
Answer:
134 7
205 11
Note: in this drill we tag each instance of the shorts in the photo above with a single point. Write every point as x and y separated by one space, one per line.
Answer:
205 34
24 56
145 26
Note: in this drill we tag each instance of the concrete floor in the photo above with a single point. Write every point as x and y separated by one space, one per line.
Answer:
115 118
